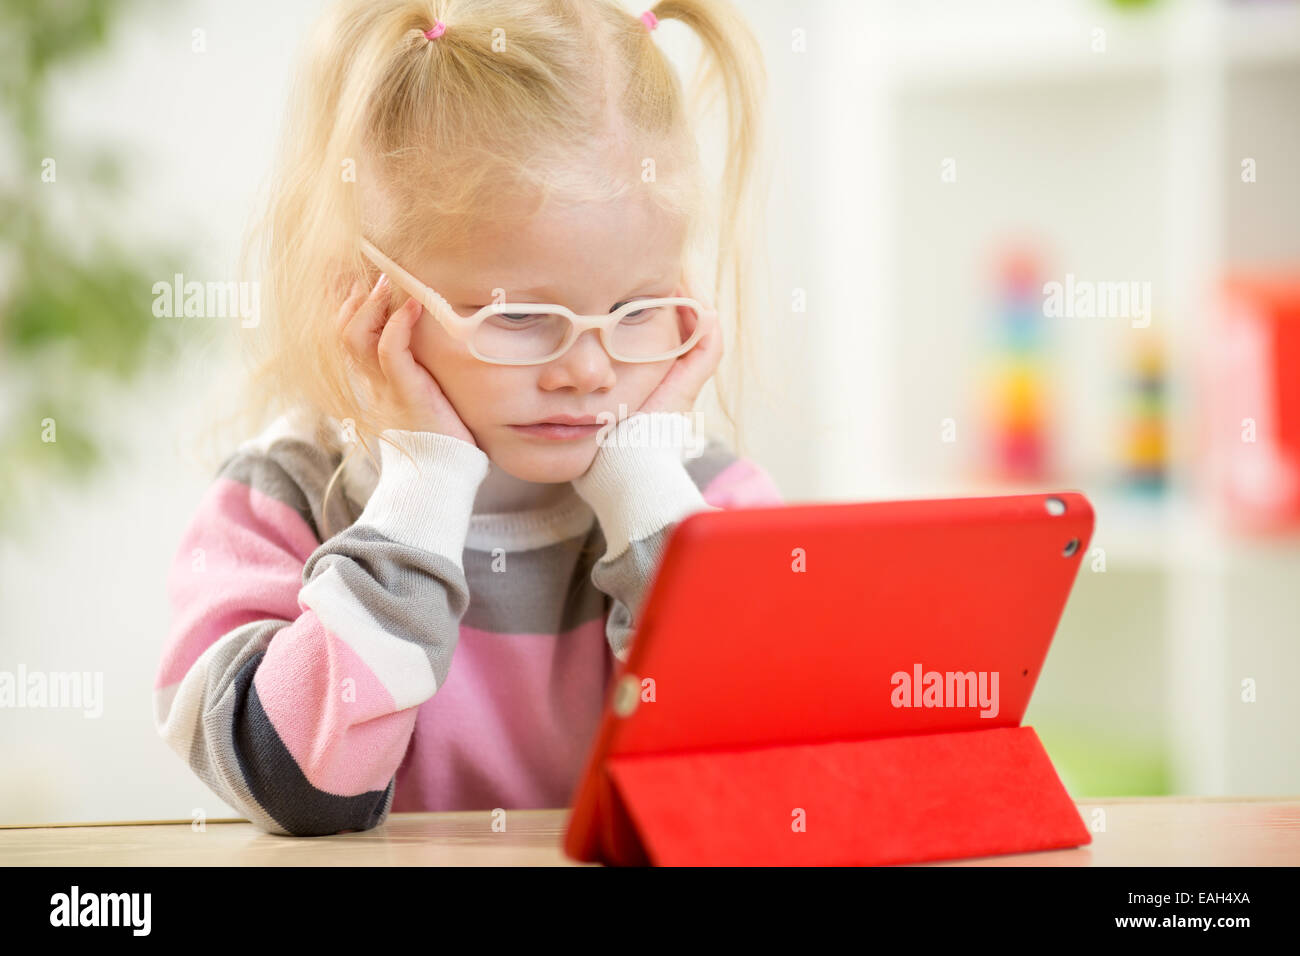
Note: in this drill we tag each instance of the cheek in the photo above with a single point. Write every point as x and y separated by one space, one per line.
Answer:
479 392
638 381
444 358
430 341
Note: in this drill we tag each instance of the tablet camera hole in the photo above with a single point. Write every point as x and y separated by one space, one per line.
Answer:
1055 507
627 694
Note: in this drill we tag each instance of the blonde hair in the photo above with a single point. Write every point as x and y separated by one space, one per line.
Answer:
413 142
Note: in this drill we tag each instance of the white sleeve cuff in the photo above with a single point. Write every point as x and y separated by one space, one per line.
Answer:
638 482
426 501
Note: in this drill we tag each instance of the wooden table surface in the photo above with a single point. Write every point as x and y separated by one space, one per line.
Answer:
1139 831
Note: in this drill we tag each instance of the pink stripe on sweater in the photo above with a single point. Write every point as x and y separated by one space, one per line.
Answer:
742 484
511 725
239 560
333 714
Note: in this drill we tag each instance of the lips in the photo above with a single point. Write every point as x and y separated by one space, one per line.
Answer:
567 420
560 428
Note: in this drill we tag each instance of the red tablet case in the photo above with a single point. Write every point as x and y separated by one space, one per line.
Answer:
773 736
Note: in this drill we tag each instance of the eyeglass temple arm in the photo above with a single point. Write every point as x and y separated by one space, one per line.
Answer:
427 297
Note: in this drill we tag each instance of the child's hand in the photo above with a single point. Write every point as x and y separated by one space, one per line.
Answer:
684 381
401 390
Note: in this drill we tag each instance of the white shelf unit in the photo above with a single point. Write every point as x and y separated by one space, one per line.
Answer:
1123 162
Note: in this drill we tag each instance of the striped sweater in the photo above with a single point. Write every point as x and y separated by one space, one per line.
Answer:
425 656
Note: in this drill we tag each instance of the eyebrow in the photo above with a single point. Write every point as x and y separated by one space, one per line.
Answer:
542 292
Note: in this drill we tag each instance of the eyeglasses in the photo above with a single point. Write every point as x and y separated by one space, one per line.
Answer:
530 333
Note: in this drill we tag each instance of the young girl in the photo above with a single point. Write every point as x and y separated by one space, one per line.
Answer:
434 627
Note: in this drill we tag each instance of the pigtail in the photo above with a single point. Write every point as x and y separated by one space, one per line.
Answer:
733 63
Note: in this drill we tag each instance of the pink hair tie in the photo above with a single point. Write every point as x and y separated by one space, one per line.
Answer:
436 30
650 20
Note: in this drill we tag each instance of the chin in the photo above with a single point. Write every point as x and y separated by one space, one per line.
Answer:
542 462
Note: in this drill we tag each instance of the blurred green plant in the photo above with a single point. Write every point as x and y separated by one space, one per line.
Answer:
1094 764
76 316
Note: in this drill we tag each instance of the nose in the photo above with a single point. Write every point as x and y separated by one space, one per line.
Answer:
586 367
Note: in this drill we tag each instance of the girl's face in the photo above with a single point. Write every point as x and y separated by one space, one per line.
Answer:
591 258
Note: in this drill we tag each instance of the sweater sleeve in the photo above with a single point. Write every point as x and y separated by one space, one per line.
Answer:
642 482
293 669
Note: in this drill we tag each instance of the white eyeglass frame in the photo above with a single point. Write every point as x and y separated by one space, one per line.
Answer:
462 328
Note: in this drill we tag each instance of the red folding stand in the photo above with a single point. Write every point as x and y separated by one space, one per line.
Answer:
893 800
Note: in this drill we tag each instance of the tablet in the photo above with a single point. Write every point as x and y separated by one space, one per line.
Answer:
799 624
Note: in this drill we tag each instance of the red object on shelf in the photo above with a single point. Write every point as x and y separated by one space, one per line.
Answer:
779 731
1022 454
1254 403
